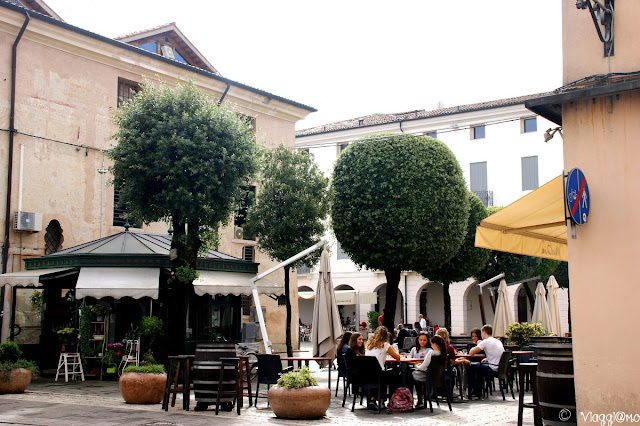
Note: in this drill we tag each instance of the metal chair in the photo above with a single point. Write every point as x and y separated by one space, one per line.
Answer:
342 373
435 381
365 375
132 348
269 369
408 343
502 375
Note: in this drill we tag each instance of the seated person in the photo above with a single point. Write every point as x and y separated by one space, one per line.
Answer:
416 329
402 333
422 346
356 348
451 352
379 347
344 343
493 350
420 373
475 337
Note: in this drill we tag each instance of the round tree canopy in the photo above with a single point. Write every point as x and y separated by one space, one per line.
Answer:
399 201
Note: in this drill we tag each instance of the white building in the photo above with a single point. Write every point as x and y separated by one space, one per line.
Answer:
502 151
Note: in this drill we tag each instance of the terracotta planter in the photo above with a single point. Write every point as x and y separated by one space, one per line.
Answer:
142 388
18 381
304 403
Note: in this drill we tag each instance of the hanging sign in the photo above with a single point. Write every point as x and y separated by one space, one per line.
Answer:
577 196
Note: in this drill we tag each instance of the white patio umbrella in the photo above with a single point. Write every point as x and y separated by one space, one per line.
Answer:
326 325
541 309
504 314
554 307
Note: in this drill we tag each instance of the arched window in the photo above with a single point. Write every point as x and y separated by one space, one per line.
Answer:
53 239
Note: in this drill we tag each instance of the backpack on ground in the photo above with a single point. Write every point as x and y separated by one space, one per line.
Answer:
401 400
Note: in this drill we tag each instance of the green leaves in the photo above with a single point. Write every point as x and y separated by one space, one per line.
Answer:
297 379
291 205
399 201
179 154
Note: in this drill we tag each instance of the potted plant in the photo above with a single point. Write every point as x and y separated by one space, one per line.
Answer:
143 384
37 302
100 311
67 338
520 332
116 349
15 373
298 396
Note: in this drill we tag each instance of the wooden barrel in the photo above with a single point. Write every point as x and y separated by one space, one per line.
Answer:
556 389
206 375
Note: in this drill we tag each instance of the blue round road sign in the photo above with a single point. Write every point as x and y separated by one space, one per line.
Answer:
578 199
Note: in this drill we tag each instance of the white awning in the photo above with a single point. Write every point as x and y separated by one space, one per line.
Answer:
220 282
344 297
118 282
28 278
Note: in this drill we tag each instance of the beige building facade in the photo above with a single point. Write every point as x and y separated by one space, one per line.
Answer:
68 81
598 109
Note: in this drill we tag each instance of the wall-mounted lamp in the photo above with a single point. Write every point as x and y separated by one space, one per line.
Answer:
550 133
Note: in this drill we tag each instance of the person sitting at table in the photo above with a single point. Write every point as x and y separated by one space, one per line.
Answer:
475 337
356 348
344 343
451 352
420 373
402 333
493 350
416 329
419 351
379 347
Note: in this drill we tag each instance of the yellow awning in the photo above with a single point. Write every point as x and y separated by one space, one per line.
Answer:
533 225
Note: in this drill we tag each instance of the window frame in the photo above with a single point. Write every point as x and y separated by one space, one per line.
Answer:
474 135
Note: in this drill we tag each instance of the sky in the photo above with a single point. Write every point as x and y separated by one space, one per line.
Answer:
352 58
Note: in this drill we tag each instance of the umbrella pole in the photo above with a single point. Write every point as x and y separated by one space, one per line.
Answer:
482 315
493 302
263 327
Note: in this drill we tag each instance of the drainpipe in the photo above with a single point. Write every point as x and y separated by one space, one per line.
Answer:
224 94
12 129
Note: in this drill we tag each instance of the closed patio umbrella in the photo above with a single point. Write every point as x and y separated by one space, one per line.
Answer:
541 313
326 318
504 313
554 307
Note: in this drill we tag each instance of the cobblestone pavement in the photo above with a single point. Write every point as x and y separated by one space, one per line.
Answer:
95 402
99 403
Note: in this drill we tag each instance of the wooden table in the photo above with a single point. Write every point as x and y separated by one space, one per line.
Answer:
306 360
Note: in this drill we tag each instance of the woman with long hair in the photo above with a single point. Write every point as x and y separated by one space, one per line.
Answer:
422 346
451 352
438 351
344 343
379 346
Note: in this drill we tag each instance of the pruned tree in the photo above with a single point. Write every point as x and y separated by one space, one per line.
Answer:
287 218
181 158
467 262
399 202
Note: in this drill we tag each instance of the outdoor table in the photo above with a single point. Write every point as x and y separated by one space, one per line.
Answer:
306 360
404 364
519 360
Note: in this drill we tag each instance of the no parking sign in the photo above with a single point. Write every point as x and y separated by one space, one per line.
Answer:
577 196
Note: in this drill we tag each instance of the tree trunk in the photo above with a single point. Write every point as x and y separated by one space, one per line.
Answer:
287 297
447 306
393 281
186 244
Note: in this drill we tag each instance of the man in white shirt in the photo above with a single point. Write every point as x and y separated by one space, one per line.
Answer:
493 350
423 322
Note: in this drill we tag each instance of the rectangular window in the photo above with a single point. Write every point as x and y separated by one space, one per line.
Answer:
240 216
477 132
246 304
126 90
342 147
120 214
303 269
341 253
529 125
248 253
478 177
529 173
432 134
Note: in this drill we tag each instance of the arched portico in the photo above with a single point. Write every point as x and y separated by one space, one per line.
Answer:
382 302
305 304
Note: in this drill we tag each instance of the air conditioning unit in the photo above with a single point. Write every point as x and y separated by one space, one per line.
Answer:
27 221
167 51
238 233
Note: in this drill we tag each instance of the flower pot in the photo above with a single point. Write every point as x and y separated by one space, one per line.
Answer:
142 388
19 379
100 318
311 402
